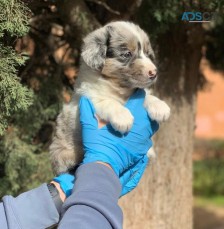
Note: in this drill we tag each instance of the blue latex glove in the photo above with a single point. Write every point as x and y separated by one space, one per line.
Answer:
66 182
130 179
126 154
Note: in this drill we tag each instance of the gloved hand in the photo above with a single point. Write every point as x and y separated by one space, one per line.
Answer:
66 182
129 179
126 154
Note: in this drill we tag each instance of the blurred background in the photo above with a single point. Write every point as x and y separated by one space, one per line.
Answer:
40 43
208 153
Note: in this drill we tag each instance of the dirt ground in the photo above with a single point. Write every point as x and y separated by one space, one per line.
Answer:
208 217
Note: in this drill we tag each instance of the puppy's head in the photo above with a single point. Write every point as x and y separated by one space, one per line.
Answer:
122 52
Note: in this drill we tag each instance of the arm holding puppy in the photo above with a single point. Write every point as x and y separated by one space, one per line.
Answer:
97 187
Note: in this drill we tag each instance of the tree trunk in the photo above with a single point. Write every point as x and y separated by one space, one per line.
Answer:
163 199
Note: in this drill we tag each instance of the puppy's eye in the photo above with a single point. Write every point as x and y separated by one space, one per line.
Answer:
126 55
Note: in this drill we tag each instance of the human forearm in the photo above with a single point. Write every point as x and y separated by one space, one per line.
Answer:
33 209
93 203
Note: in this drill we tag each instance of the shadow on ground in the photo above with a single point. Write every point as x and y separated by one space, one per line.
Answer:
208 218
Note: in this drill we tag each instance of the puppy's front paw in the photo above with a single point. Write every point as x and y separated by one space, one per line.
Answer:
122 120
151 153
158 110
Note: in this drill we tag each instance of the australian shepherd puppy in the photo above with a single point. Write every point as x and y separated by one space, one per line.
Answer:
115 60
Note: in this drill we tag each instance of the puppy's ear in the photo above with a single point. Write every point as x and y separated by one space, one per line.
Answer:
95 47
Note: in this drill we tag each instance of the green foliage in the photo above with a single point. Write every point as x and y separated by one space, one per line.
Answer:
21 167
215 43
24 159
23 156
28 114
157 17
46 105
13 95
205 201
13 17
209 177
16 154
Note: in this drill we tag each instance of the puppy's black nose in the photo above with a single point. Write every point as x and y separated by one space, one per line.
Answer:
152 74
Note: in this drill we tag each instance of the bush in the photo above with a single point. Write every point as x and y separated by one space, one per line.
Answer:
26 112
209 177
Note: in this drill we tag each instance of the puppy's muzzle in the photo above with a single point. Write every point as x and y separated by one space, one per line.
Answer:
152 74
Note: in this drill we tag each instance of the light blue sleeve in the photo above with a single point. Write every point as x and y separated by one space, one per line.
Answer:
34 209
